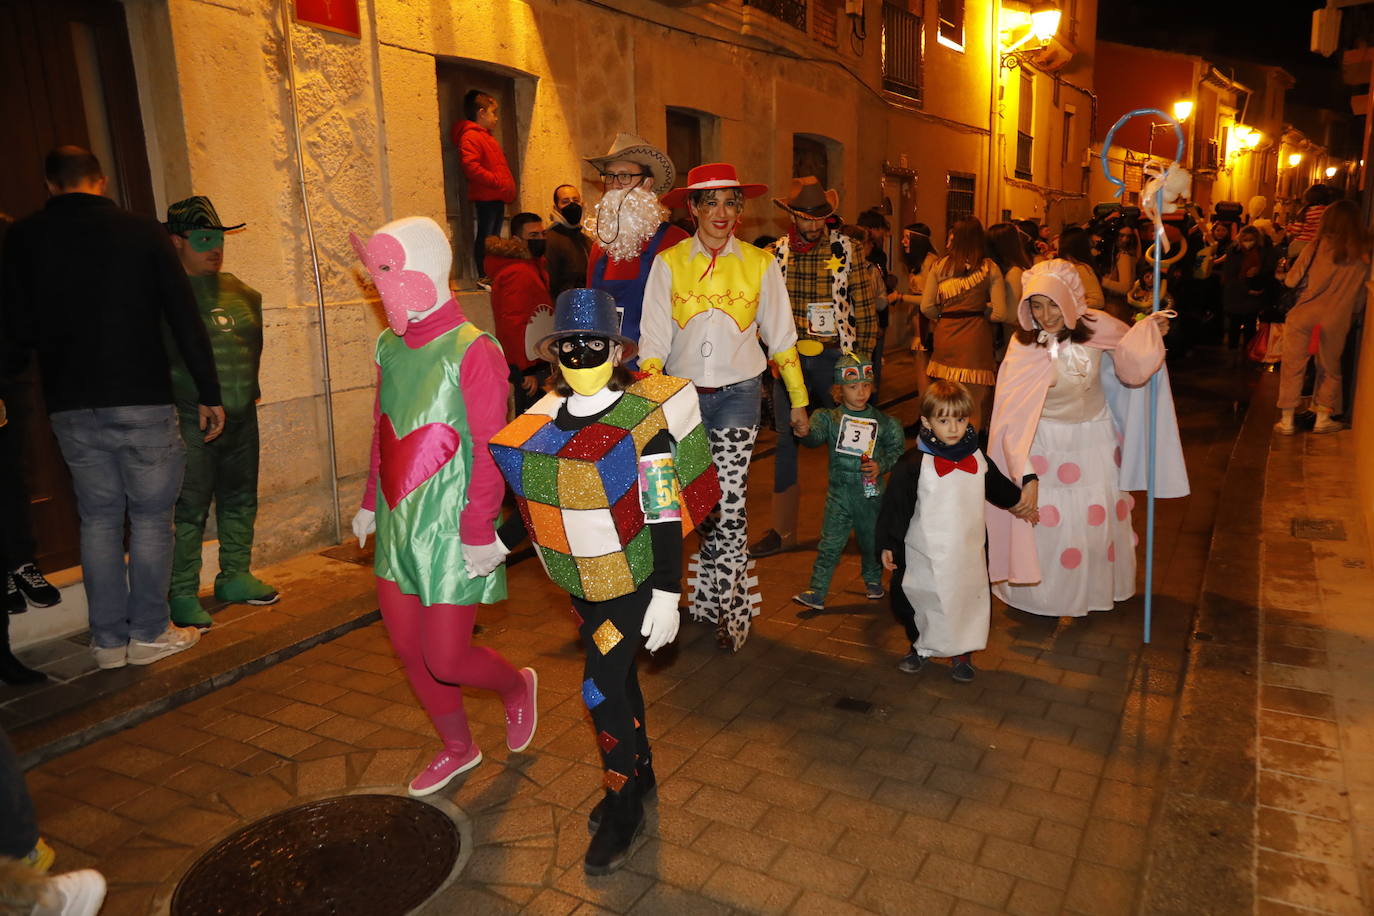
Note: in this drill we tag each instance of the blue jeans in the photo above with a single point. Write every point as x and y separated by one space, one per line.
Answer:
490 215
124 459
819 373
735 406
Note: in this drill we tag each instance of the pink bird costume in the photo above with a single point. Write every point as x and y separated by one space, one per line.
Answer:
1077 416
435 491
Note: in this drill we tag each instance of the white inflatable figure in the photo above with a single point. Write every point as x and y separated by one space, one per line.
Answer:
1176 182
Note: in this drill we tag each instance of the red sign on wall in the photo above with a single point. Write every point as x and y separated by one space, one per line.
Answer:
331 15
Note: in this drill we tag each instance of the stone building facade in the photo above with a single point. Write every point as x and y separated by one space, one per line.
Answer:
906 105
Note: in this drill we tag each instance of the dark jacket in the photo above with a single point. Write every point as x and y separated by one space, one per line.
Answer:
87 286
1242 295
566 251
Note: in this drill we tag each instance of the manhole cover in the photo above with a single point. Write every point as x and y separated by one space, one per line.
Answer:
375 854
1318 529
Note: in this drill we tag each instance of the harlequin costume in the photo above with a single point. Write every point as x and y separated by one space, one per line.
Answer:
704 315
606 497
1077 415
226 468
851 500
625 278
933 523
834 310
441 394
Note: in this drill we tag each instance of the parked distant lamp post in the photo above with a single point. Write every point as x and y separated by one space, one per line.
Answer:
1040 22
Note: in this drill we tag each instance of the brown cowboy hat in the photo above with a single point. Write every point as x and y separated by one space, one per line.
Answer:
809 199
636 149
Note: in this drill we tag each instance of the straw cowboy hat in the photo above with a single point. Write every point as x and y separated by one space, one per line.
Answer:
711 177
809 199
630 148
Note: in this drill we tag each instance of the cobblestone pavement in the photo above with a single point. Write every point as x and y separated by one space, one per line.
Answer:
1027 791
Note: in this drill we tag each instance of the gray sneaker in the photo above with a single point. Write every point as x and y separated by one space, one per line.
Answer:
911 663
174 639
116 657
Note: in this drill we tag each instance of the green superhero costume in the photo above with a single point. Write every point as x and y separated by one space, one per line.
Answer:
426 456
849 504
226 469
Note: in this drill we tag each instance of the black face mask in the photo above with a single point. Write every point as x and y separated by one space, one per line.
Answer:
583 351
572 213
536 247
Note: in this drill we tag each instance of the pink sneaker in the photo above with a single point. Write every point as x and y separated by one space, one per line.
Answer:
522 717
441 770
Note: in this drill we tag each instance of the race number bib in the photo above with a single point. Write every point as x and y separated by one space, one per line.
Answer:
857 437
658 490
820 319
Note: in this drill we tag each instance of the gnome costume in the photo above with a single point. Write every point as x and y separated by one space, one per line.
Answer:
436 493
226 468
607 481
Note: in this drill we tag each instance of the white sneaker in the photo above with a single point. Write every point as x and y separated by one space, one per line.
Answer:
106 659
1325 424
174 639
75 893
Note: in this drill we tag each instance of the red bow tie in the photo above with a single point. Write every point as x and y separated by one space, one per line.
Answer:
967 463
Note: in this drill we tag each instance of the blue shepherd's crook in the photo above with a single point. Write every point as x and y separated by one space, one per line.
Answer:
1154 307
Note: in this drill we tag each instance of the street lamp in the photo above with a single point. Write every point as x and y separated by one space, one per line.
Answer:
1182 108
1041 24
1330 171
1294 160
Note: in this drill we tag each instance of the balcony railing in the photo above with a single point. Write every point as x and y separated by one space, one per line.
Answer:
792 12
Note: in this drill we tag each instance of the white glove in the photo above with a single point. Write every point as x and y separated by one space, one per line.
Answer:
482 559
661 620
364 523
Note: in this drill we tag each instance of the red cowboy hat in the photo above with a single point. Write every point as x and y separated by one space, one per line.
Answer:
710 177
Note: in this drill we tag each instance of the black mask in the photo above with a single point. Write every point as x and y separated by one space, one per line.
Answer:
572 213
536 247
583 351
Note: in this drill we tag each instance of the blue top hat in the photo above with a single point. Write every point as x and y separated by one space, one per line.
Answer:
585 311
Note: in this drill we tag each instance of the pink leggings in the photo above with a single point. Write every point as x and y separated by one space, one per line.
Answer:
435 645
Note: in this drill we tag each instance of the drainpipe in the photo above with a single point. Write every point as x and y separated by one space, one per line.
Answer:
315 265
994 173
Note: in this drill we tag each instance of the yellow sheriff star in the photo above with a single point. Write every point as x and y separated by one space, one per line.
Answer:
834 264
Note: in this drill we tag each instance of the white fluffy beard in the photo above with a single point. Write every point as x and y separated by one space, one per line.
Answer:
624 221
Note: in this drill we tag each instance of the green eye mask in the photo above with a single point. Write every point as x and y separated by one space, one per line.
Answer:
203 240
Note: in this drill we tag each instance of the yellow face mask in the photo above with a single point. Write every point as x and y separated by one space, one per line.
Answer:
588 381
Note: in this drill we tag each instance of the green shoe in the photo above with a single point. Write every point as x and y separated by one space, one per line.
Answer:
245 588
187 612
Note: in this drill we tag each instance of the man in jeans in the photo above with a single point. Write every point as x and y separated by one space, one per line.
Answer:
87 286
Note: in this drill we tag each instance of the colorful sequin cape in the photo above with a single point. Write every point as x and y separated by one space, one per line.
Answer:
578 493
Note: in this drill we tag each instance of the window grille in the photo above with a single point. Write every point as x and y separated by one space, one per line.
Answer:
902 45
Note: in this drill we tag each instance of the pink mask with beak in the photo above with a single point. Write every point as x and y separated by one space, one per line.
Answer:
408 260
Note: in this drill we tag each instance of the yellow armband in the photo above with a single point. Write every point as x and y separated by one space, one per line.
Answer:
651 366
789 367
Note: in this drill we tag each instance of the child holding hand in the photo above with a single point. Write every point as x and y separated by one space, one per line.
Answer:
932 529
864 444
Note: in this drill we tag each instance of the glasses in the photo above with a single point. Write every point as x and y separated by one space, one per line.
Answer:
622 179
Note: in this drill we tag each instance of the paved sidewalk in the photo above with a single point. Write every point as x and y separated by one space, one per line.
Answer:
1316 724
1028 791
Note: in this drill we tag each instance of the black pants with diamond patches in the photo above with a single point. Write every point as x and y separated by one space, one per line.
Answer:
610 686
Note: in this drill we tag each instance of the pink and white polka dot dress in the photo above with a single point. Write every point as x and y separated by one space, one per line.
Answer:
1084 542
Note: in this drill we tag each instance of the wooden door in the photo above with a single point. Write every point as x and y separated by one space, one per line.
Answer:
66 77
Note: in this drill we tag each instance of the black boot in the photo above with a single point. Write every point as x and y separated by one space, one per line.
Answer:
622 821
648 787
12 670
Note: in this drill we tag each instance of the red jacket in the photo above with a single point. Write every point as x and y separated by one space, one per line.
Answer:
484 163
519 290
